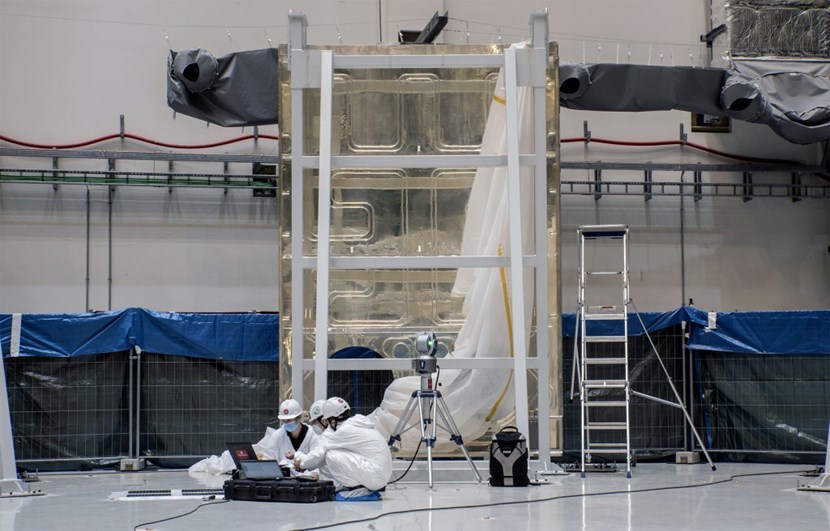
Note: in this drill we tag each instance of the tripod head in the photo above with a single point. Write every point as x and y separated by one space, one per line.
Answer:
425 345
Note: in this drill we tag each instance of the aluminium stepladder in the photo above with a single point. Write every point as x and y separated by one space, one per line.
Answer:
605 423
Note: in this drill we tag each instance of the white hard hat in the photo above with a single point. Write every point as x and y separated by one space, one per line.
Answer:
290 409
334 407
316 410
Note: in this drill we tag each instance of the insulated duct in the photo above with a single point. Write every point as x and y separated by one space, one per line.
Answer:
792 98
613 87
237 89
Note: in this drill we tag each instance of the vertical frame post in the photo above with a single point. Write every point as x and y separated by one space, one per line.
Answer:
296 43
321 336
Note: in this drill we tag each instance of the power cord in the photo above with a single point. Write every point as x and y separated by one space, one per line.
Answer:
180 515
552 498
418 449
411 461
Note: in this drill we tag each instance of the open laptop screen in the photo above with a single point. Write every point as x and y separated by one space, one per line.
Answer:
241 451
261 470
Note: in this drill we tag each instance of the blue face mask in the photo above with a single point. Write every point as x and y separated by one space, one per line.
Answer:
290 426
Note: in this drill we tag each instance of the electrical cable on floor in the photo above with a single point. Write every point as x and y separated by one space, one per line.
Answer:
180 515
551 498
418 449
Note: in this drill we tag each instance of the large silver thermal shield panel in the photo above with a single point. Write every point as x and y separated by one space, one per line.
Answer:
403 211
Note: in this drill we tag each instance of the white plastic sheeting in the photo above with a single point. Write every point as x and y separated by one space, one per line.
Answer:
478 397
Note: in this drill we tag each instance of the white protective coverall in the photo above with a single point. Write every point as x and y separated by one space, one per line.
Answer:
273 445
279 444
355 454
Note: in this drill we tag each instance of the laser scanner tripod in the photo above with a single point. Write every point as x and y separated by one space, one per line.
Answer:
430 404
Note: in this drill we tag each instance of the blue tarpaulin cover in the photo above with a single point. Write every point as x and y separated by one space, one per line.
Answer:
229 336
784 332
791 332
254 336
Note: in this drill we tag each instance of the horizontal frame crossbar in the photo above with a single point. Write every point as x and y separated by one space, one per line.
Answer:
399 61
416 262
417 161
388 364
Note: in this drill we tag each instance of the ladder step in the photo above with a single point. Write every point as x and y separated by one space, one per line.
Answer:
594 445
604 316
602 231
605 361
606 403
606 426
603 272
620 450
605 339
598 384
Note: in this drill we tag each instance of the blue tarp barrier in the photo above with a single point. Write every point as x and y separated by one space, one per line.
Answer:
254 336
652 320
785 332
229 336
794 332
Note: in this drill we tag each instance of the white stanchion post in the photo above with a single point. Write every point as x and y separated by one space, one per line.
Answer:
10 485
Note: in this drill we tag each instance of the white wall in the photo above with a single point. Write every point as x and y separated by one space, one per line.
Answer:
69 68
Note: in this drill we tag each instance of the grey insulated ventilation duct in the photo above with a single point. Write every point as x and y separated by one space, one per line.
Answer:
792 98
743 100
613 87
196 69
233 90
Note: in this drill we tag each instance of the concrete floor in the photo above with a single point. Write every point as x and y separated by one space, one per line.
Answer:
80 501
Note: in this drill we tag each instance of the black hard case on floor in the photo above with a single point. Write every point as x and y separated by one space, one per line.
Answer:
279 490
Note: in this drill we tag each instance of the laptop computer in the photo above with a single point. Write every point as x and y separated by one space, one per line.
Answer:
241 451
261 470
245 459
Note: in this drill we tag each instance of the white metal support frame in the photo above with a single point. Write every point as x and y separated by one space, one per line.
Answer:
323 227
824 479
297 25
525 67
10 485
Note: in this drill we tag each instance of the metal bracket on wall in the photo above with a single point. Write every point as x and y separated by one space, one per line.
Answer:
795 191
698 186
55 173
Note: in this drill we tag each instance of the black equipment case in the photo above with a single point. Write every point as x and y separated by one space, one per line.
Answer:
508 459
279 490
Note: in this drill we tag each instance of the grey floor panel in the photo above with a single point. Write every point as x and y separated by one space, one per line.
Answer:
600 501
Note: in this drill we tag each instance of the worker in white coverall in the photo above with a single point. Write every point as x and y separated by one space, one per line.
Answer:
276 444
315 417
351 452
292 436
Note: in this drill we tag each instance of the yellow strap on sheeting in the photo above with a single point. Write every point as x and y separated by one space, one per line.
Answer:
507 314
499 100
